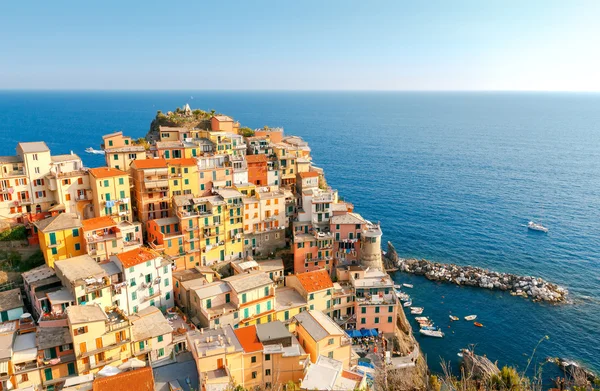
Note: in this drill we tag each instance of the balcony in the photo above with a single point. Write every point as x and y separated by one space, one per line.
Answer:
115 345
25 367
130 243
54 245
150 297
101 238
188 228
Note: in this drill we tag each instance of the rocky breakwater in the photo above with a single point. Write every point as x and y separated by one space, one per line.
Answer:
526 286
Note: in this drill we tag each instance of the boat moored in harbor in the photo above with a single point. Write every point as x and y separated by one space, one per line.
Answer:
536 227
470 317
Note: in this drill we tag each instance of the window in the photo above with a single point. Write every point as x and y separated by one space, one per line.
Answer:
48 373
377 319
132 282
390 319
75 232
254 375
186 181
121 181
363 320
115 157
243 298
106 183
168 296
266 291
268 372
208 303
330 341
71 368
54 251
161 352
134 296
77 246
267 357
391 308
363 310
253 359
166 282
311 296
135 309
160 338
376 310
122 194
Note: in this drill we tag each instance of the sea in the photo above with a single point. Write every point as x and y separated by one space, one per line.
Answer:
451 177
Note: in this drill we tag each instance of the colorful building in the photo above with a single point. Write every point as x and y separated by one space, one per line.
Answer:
183 176
110 188
315 287
85 280
151 193
257 169
60 237
104 237
121 151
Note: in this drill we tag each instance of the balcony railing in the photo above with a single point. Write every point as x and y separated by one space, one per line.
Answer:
105 348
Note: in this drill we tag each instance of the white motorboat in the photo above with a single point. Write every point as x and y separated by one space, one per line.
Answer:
432 333
471 317
94 151
396 286
536 227
419 318
416 310
408 285
452 317
407 304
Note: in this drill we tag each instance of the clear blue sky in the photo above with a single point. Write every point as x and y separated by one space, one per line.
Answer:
315 45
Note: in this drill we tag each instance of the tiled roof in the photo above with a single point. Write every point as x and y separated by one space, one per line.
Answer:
140 379
10 299
36 146
309 174
223 118
260 158
59 222
182 162
136 256
314 281
97 223
106 172
112 135
248 339
245 282
149 163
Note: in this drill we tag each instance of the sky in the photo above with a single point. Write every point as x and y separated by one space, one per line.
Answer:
531 45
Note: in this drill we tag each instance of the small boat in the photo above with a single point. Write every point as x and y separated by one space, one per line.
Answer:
407 285
453 318
478 324
404 297
407 304
471 317
432 333
396 286
430 328
459 354
416 310
536 227
419 318
94 151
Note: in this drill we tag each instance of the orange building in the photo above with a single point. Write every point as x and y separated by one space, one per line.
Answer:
252 357
104 237
151 188
166 237
257 169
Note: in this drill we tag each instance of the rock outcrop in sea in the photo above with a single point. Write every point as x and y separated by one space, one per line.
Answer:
525 286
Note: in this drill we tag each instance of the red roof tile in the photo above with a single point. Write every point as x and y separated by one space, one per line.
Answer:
137 256
106 172
309 174
314 281
248 339
149 163
140 379
98 223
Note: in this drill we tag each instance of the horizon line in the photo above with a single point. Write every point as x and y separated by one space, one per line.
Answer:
289 90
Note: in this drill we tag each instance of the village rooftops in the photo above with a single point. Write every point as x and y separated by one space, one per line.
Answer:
11 159
190 200
114 134
144 164
50 337
60 296
318 325
212 289
223 118
293 350
348 218
64 158
32 147
288 297
98 223
78 314
166 221
38 274
169 144
182 162
249 339
110 268
229 193
6 347
173 129
59 222
315 281
80 269
106 172
245 282
270 265
10 299
309 174
149 323
273 331
260 158
141 379
208 342
136 257
328 374
187 274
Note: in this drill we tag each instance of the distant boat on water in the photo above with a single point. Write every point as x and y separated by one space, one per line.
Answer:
536 227
95 151
470 317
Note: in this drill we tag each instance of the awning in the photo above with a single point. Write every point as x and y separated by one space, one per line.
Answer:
24 356
3 368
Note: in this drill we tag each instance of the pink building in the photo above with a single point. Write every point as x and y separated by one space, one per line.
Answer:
346 229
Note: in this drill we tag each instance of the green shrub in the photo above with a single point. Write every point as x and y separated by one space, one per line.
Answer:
16 233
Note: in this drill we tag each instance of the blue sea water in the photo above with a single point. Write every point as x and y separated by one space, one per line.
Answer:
452 177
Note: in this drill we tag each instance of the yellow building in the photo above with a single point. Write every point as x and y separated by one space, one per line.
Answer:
253 294
234 223
315 287
85 280
183 176
121 150
60 237
319 335
99 338
111 193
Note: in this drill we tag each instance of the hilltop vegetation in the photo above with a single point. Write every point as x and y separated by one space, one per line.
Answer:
181 117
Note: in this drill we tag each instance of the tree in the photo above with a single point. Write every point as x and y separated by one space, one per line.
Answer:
246 132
